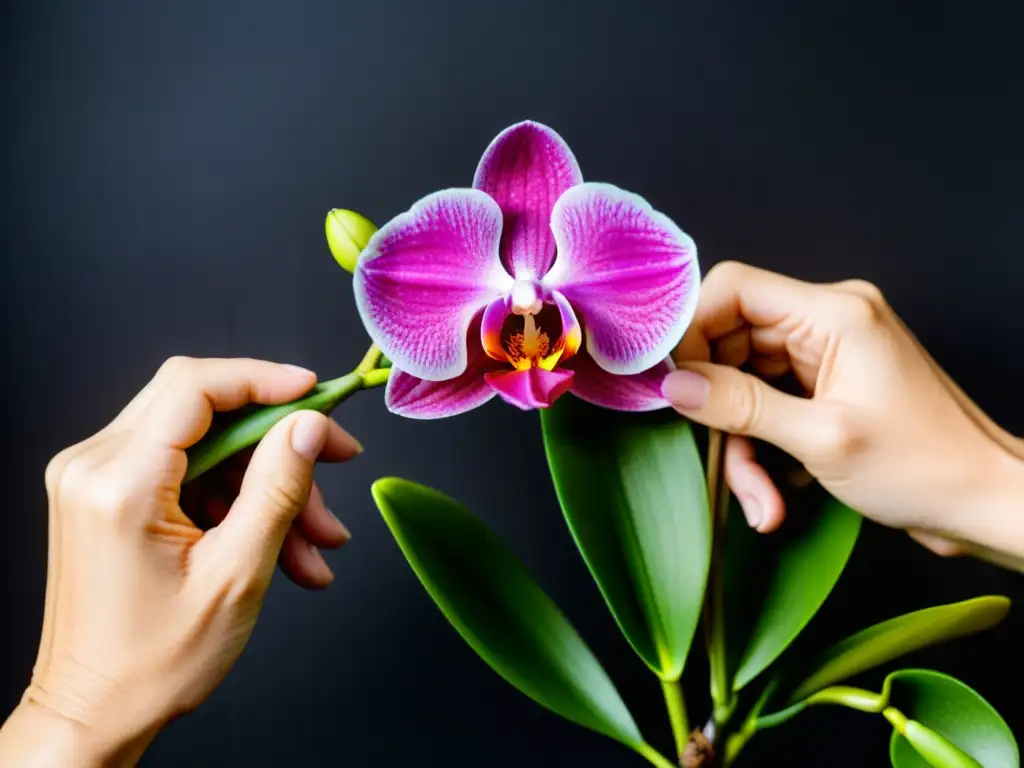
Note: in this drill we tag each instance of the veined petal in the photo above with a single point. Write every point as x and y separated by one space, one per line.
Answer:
531 388
638 392
526 168
415 398
629 270
423 277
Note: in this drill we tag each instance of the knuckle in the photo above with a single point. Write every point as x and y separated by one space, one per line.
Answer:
285 493
842 436
108 496
175 365
744 407
864 289
728 271
55 469
859 311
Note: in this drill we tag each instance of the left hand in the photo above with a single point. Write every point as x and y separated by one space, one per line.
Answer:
145 612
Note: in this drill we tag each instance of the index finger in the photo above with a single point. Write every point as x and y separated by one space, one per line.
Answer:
181 413
734 295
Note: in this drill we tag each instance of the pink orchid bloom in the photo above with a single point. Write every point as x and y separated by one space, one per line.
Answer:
492 290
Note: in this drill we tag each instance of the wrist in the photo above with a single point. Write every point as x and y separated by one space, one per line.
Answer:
38 736
994 521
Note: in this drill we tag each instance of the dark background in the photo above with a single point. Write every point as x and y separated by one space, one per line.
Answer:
165 172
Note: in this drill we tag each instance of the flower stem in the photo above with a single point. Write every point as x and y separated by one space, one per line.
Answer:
222 444
376 377
370 359
676 705
654 756
714 603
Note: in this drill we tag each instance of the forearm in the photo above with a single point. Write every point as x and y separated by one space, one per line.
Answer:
37 737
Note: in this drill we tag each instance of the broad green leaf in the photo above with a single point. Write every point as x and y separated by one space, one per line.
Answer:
633 492
490 599
893 638
774 585
946 720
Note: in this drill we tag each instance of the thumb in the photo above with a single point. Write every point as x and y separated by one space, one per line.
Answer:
274 490
727 399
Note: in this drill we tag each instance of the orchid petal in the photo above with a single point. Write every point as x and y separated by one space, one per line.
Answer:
526 168
572 334
425 275
638 392
531 388
490 329
629 270
415 398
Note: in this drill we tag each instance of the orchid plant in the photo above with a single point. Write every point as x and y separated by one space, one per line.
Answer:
532 284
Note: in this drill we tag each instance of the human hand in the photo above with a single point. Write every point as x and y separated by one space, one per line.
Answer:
879 424
145 613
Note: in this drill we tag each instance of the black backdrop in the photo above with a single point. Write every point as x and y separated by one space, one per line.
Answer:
165 172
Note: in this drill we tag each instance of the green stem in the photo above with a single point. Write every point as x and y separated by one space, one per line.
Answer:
376 377
841 695
736 742
676 713
854 698
370 359
219 445
654 756
714 605
896 718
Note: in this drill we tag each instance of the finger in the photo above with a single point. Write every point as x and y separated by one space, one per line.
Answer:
303 563
771 366
760 500
733 295
194 389
769 340
319 525
694 346
341 446
733 348
275 490
940 545
735 402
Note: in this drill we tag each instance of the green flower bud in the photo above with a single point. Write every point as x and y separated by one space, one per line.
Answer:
347 234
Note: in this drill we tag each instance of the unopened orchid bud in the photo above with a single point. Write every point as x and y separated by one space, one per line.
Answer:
347 234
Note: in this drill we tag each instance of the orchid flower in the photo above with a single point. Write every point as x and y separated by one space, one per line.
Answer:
531 284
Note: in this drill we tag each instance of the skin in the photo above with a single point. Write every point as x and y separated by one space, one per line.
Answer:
874 418
146 612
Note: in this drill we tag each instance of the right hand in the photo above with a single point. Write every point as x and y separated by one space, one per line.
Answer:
881 426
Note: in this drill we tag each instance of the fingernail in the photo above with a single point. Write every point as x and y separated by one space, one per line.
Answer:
309 434
344 528
327 575
751 510
299 369
687 390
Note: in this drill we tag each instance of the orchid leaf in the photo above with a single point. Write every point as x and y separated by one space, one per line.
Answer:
948 725
491 600
896 637
774 585
632 489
